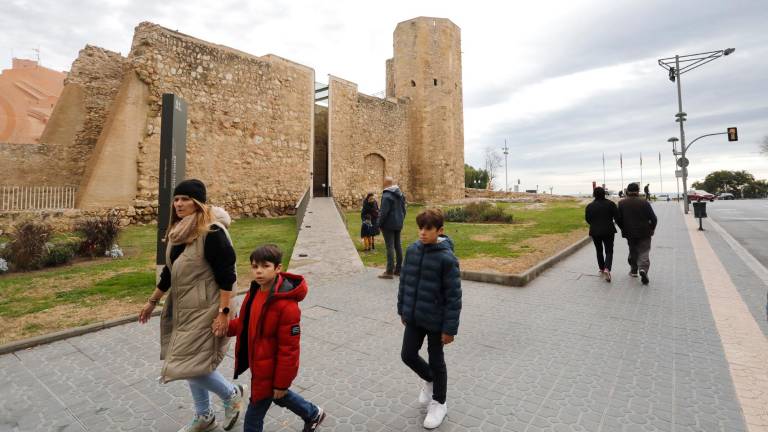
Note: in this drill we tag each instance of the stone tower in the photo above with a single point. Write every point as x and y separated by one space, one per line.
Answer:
426 68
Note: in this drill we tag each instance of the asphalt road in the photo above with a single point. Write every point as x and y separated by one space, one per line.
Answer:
746 221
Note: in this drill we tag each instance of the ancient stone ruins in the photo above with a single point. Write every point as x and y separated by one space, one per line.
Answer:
261 132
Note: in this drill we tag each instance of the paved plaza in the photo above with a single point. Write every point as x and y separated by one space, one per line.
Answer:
568 352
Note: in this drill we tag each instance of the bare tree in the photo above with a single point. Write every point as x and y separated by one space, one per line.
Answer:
764 146
492 163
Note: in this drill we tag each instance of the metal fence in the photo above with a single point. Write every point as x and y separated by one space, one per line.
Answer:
31 198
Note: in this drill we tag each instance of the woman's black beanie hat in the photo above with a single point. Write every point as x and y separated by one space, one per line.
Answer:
192 188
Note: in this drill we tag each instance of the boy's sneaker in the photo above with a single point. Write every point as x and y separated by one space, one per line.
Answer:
233 407
633 273
607 275
386 275
644 277
312 425
435 414
201 424
426 393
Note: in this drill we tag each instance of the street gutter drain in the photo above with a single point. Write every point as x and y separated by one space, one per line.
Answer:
303 255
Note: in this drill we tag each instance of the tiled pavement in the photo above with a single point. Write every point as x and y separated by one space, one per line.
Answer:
568 352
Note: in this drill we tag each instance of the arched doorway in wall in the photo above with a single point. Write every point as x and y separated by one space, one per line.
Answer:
374 169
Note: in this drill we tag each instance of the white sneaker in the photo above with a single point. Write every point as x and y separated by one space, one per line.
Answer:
233 407
200 424
426 393
435 414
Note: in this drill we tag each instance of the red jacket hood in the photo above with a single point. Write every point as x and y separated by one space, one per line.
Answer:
288 286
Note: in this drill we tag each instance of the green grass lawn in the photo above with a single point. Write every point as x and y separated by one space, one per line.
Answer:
473 240
91 283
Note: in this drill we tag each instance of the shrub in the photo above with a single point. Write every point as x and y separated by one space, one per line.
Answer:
478 212
26 249
99 235
455 214
61 252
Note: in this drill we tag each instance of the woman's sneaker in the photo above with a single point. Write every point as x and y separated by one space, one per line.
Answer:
233 407
435 414
426 393
607 276
204 423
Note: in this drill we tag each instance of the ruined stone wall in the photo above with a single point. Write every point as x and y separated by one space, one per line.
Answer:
368 140
249 132
71 132
31 165
80 114
426 68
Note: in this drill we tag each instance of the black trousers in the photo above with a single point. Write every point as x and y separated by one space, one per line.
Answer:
434 371
604 242
394 250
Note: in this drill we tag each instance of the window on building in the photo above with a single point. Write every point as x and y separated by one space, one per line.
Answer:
435 81
413 83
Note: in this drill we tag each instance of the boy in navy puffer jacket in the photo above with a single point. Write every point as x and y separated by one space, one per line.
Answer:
429 305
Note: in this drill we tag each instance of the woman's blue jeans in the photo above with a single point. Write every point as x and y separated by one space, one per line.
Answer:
215 383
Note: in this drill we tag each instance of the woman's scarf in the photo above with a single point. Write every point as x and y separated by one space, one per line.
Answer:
183 231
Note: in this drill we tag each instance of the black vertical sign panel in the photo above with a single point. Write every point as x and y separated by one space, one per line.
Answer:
173 157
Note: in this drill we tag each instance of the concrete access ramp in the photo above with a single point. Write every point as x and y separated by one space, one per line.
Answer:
323 248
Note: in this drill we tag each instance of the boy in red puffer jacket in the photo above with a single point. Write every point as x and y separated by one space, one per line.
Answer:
268 335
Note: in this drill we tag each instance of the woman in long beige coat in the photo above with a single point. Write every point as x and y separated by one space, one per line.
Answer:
198 276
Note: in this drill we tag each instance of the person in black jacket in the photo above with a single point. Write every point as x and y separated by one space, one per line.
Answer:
638 223
600 215
429 305
391 217
370 218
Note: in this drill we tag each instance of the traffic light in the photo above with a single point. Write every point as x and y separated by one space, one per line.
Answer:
733 134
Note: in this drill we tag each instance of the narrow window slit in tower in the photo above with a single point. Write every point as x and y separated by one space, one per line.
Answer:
413 83
435 81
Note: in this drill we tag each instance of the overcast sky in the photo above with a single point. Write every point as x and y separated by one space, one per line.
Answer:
562 81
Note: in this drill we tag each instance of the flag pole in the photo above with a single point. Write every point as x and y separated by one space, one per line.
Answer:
641 169
603 169
661 184
621 168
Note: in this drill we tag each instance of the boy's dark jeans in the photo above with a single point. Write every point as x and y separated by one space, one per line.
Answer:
394 250
434 371
254 415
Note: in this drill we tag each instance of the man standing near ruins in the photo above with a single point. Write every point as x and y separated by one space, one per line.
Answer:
391 217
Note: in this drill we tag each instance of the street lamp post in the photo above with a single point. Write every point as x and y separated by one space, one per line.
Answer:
506 172
690 61
674 141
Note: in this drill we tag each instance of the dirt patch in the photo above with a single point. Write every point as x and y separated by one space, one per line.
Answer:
533 251
62 317
482 238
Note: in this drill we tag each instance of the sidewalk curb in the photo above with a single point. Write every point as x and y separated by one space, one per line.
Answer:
67 333
76 331
521 279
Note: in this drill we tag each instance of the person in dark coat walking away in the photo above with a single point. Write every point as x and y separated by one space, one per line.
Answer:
638 223
391 217
647 192
429 305
370 218
600 215
268 334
